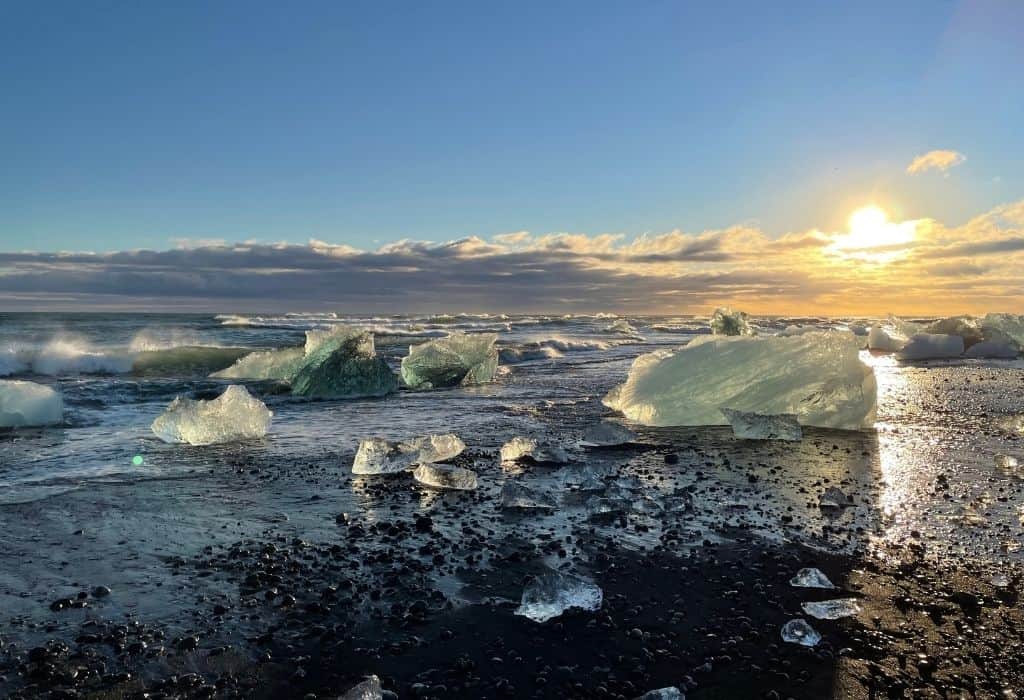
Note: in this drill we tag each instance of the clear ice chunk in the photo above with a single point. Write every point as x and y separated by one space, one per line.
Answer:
726 321
521 448
1007 463
378 456
1000 580
810 578
443 476
799 632
834 497
597 506
832 609
885 340
343 364
817 376
551 594
515 495
993 349
932 346
758 426
608 434
234 415
369 689
669 693
459 359
27 403
590 480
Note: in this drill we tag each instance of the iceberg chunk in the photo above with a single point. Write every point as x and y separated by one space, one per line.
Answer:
608 434
995 349
757 426
669 693
799 632
234 415
1004 327
932 346
551 594
441 476
884 341
27 403
726 321
517 496
343 364
817 376
459 359
966 327
832 609
527 449
378 456
370 689
810 578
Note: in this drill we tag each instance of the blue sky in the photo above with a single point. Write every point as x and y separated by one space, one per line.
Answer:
128 125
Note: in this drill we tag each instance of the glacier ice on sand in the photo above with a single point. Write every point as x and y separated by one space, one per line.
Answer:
234 415
810 578
378 456
460 359
797 631
608 434
832 609
518 496
443 476
551 594
28 403
817 376
528 449
932 346
758 426
370 689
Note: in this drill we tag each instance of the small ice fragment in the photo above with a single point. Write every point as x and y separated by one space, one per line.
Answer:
726 321
590 481
515 495
832 609
1000 580
367 690
758 426
678 504
1007 463
834 498
442 476
932 346
551 594
27 403
797 631
234 415
669 693
608 434
605 506
459 359
520 448
810 578
378 456
647 506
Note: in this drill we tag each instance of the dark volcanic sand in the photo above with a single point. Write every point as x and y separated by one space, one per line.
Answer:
420 587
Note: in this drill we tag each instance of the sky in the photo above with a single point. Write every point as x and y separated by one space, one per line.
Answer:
579 156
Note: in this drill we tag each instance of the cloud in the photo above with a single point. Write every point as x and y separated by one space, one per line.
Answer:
935 160
966 268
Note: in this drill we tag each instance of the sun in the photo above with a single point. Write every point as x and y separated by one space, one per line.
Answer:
870 228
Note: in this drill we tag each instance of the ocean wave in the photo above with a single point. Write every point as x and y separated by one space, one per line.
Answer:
548 348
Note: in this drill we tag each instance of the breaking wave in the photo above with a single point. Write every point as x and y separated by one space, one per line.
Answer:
549 348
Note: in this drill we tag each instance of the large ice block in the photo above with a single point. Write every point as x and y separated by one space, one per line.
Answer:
343 364
458 359
27 403
726 321
932 346
265 364
816 376
234 415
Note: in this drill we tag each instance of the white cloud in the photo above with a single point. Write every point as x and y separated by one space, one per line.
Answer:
936 160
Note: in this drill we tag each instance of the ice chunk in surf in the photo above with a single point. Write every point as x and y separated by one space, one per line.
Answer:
459 359
234 415
27 403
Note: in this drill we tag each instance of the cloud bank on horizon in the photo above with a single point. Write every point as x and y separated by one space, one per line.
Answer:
973 267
